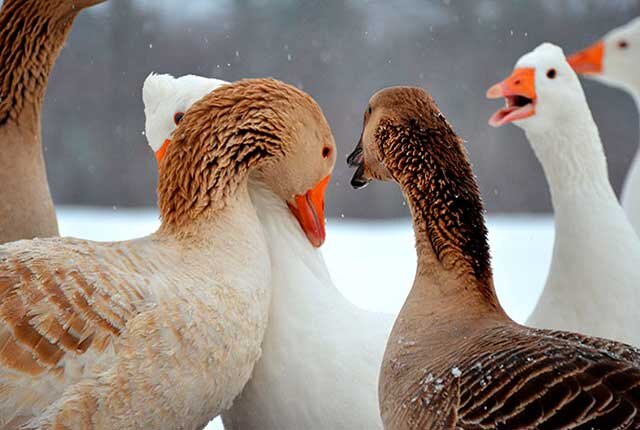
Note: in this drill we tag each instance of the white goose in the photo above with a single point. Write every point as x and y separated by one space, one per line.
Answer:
321 354
615 60
593 286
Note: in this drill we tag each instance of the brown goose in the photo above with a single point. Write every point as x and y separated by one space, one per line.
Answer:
32 33
454 359
162 332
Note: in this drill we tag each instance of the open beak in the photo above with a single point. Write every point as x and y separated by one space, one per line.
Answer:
519 92
356 159
160 152
589 60
309 211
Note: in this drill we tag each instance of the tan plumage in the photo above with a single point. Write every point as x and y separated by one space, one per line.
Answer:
162 331
32 33
454 359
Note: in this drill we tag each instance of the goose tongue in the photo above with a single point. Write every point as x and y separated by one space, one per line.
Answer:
309 211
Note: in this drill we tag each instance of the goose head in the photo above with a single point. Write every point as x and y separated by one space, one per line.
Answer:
166 99
394 114
615 59
299 177
542 93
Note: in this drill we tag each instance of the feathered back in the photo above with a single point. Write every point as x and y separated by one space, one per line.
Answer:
164 96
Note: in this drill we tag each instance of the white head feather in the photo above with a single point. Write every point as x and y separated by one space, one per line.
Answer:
621 59
164 96
560 98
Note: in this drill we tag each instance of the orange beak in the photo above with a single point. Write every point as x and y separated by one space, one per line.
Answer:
589 60
309 211
160 152
519 92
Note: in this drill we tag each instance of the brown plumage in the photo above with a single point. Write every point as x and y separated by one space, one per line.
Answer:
454 359
32 33
162 331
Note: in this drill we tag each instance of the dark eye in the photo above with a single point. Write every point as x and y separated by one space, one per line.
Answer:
551 73
326 151
623 44
369 110
178 117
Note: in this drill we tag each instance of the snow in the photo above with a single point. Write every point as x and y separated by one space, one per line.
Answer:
371 262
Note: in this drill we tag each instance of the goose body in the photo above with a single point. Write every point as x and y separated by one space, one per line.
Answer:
596 250
162 331
320 354
615 60
32 33
151 333
454 359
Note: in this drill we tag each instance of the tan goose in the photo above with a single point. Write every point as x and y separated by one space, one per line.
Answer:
454 359
32 33
161 332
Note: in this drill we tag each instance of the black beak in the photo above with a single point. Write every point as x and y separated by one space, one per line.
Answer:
356 159
359 181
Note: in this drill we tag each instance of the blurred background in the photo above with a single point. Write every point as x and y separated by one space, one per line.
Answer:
340 51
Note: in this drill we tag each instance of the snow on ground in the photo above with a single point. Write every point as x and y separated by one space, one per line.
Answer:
372 262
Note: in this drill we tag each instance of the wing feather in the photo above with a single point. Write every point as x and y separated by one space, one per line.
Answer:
549 380
59 301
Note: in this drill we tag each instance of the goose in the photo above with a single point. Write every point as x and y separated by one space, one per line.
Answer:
32 33
614 60
320 354
592 285
162 332
454 359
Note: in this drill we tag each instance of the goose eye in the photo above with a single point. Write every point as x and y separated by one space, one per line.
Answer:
369 110
623 44
326 151
551 73
178 117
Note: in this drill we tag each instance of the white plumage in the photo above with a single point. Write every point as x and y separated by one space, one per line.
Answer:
618 58
593 286
321 354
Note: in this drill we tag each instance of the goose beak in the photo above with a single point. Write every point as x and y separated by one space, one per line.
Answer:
589 60
309 211
160 152
519 92
356 159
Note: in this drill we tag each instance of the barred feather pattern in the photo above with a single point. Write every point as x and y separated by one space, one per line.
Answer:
513 377
429 162
32 33
56 318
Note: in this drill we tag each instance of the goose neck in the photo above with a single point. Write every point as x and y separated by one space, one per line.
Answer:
574 163
436 179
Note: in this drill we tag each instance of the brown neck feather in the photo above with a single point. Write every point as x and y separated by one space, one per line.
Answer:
430 164
32 34
220 140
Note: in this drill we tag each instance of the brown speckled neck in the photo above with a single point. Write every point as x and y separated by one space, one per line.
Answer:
427 159
220 140
32 33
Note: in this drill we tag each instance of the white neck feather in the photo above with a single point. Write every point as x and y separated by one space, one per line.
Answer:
321 354
631 189
574 163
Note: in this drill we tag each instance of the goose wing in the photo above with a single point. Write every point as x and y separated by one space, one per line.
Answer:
63 305
552 380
